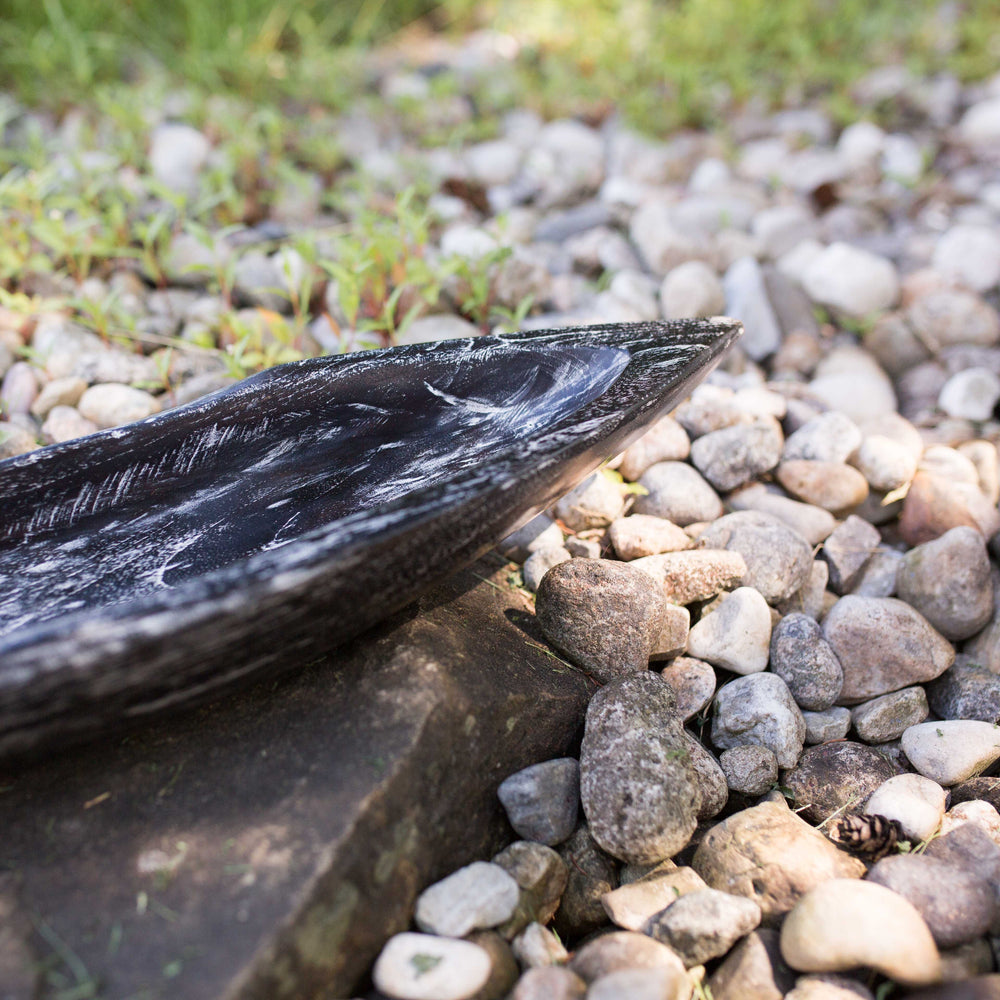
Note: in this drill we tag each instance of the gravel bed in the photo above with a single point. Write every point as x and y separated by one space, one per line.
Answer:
788 589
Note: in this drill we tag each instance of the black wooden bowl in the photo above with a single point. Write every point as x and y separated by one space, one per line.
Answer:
259 527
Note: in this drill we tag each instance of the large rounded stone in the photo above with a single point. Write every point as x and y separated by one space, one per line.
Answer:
951 751
834 778
770 855
956 905
846 923
639 788
857 629
605 616
805 661
677 491
759 709
948 581
829 437
778 559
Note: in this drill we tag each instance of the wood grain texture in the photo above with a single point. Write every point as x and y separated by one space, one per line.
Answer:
257 528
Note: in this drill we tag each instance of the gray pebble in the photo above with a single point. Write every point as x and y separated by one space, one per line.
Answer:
64 423
605 616
948 316
538 947
415 966
632 904
583 548
539 533
802 657
968 690
778 559
830 724
847 550
693 684
621 950
813 523
812 597
704 925
759 709
753 970
541 876
665 441
477 896
851 281
258 281
112 404
540 562
746 297
542 801
886 464
948 581
19 389
711 779
877 577
638 785
887 717
692 289
673 634
733 456
177 155
59 392
595 503
549 983
591 875
677 492
830 437
15 440
693 575
640 984
750 770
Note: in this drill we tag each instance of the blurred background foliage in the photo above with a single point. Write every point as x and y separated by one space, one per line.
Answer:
664 63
